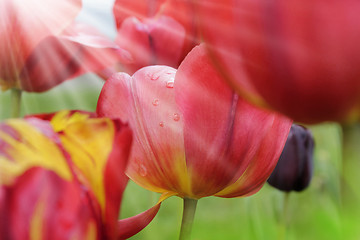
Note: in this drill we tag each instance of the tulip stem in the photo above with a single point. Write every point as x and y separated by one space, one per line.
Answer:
283 218
15 102
188 218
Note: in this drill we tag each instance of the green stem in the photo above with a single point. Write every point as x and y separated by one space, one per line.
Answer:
188 218
283 218
15 102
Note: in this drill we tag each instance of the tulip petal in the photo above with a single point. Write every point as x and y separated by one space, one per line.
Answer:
168 37
40 199
3 217
106 145
114 97
99 149
216 21
136 8
115 179
183 11
134 37
147 101
88 145
263 163
26 144
130 226
79 49
41 205
220 151
60 120
24 24
152 41
301 60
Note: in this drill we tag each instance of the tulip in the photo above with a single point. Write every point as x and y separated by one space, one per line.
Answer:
78 49
40 47
62 177
155 32
295 166
301 58
193 136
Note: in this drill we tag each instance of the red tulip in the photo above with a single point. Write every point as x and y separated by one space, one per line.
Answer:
301 57
40 48
154 32
193 136
153 41
63 178
79 49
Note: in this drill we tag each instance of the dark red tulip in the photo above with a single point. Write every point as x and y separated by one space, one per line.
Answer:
294 169
300 57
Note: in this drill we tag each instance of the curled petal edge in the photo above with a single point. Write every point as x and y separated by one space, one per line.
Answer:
130 226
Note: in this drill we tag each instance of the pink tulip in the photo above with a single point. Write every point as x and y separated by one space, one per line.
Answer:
193 136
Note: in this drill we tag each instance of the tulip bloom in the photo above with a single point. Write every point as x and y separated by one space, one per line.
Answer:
40 47
295 166
301 58
155 32
63 178
193 136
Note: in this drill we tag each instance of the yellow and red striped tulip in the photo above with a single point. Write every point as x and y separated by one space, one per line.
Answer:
193 135
63 178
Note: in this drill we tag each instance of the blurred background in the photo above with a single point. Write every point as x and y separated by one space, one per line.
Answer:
328 209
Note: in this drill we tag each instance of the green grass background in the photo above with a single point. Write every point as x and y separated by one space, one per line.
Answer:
328 209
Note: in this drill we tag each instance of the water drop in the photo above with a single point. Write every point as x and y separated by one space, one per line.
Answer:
170 84
142 170
161 124
176 117
155 102
154 78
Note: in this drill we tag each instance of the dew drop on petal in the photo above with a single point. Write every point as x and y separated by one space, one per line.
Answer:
161 124
176 117
142 170
153 77
170 84
155 102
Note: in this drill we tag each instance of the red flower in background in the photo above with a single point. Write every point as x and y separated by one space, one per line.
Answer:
301 57
63 178
193 136
40 48
155 32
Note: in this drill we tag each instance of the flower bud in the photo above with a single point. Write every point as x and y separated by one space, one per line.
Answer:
295 166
